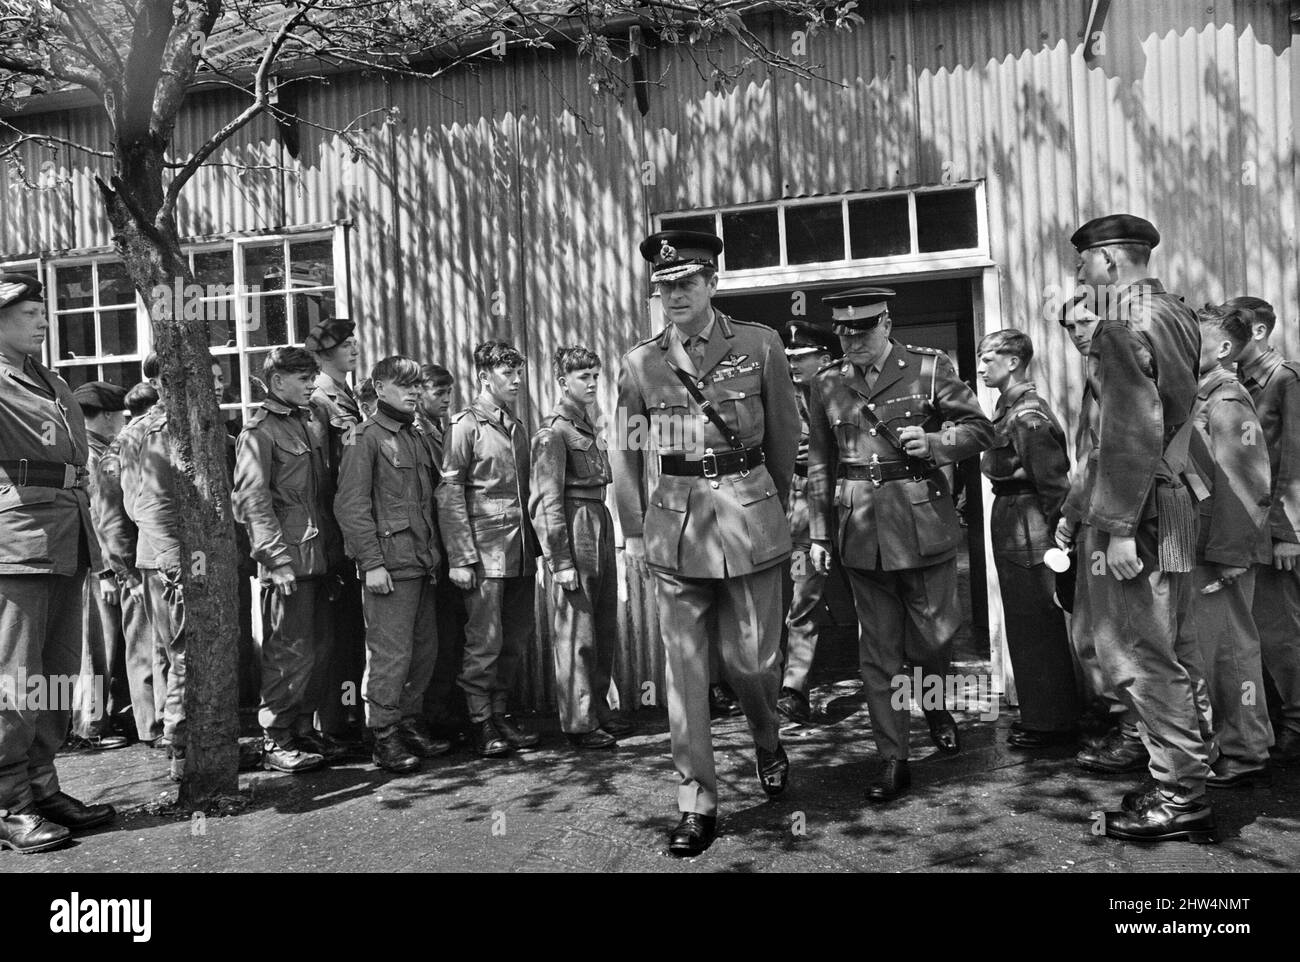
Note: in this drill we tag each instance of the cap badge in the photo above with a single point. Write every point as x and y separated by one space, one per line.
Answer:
667 251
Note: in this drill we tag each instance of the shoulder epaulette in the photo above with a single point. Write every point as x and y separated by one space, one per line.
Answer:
648 340
917 349
256 418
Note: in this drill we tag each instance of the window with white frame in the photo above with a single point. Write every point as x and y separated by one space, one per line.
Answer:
256 292
870 227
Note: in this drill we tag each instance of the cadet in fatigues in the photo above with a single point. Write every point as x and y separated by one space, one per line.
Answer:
570 473
46 548
883 423
483 509
96 721
808 348
385 508
1029 467
284 495
444 703
714 394
1139 524
333 341
1274 385
1231 460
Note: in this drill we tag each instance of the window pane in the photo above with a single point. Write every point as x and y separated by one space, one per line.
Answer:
253 362
814 234
946 221
214 267
79 374
221 322
309 310
267 322
701 222
114 286
123 375
76 336
311 264
73 287
118 332
878 227
264 266
751 238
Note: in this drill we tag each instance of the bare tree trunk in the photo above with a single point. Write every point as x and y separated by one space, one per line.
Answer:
198 440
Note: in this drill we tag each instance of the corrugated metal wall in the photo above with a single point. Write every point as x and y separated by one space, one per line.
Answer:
508 201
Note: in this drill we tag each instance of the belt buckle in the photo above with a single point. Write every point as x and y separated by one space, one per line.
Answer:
704 464
69 475
874 471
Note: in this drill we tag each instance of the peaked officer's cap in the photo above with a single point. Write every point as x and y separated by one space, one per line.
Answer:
860 309
19 287
674 254
801 337
1115 229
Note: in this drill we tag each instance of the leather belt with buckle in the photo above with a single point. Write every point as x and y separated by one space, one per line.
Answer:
711 465
25 473
878 472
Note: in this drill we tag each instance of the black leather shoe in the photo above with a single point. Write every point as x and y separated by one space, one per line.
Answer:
1028 740
391 753
1242 779
894 781
293 758
722 703
95 743
773 769
596 738
793 706
516 734
318 743
1160 820
1121 753
419 741
75 816
943 731
617 726
488 742
693 834
1286 750
1136 801
27 832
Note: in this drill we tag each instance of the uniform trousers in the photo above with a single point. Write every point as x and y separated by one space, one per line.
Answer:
443 702
1277 615
586 619
746 610
498 628
1149 657
1039 647
297 642
909 616
144 674
103 695
165 609
345 663
401 646
1230 652
801 620
40 637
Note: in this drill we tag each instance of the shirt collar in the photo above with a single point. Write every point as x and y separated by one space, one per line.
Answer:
277 406
386 422
1013 394
704 334
494 412
1259 369
570 409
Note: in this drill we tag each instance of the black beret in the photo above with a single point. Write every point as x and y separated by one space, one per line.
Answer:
329 333
802 337
1115 229
19 287
100 395
859 309
680 253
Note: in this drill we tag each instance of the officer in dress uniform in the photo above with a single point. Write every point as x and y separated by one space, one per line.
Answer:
883 423
1136 525
714 394
46 548
809 348
1274 385
1028 466
333 341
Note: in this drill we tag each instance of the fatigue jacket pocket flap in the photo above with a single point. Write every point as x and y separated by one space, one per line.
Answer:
12 496
581 443
394 456
919 492
495 508
754 487
294 446
387 527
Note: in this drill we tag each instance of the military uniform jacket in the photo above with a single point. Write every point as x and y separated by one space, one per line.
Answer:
41 529
1232 462
484 493
117 532
98 446
796 512
436 432
1029 462
905 523
384 504
149 493
343 413
1143 372
569 461
1274 385
283 492
702 527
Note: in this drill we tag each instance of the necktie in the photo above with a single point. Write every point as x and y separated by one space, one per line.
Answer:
695 350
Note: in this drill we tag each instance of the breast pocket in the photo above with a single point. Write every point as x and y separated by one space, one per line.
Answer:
396 479
292 461
743 410
583 457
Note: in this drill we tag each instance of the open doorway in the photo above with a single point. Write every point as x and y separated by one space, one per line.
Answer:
930 312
